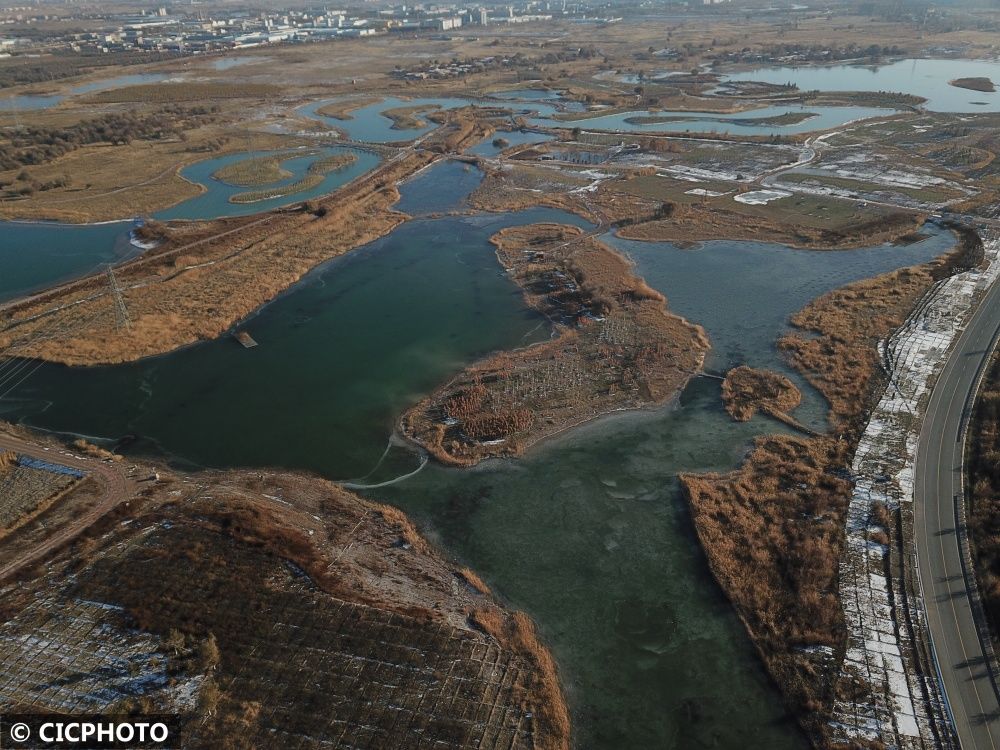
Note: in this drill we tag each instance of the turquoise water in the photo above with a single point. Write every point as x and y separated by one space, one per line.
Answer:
44 101
825 119
926 78
443 187
36 255
215 201
513 137
368 124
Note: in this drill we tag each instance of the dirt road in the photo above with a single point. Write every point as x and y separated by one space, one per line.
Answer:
117 488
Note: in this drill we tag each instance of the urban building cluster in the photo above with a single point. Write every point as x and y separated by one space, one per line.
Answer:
188 28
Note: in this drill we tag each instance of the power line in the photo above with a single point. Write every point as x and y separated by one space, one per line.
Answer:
122 319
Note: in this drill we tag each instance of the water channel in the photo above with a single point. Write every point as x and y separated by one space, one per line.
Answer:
588 532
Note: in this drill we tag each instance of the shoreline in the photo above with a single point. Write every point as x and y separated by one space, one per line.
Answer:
616 348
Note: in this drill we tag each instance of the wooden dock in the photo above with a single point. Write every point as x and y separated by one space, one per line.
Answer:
245 339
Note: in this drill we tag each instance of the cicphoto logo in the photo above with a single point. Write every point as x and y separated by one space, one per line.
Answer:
97 732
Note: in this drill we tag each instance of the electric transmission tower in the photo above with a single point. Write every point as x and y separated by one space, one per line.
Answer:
122 319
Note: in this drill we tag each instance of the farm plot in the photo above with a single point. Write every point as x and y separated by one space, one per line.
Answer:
62 654
24 491
318 670
232 601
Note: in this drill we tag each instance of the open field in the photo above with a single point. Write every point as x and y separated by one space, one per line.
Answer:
258 604
617 348
149 93
688 203
125 180
259 170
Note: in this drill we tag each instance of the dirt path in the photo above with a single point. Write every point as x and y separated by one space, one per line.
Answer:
118 487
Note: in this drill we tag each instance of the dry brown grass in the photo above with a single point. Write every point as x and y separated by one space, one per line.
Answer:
258 170
470 577
295 611
186 92
723 218
773 529
120 182
841 359
342 110
233 267
618 348
773 533
984 493
745 391
974 84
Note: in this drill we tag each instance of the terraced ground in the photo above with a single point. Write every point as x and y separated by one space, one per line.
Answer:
285 609
25 490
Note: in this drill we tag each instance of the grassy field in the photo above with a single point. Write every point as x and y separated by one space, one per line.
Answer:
260 170
150 93
929 194
122 181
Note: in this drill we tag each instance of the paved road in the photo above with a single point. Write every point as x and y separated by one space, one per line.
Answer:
938 487
116 483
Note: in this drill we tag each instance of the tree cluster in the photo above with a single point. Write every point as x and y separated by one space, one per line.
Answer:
39 145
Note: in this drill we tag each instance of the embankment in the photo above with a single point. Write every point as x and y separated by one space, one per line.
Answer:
774 529
206 277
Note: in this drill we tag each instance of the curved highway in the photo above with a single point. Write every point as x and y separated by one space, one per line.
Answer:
938 489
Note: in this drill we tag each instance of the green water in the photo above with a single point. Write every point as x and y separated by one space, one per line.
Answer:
339 358
587 533
35 255
214 202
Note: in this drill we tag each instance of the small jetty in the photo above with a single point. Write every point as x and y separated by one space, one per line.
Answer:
245 339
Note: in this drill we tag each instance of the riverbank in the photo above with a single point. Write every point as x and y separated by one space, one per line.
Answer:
206 277
616 348
774 529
